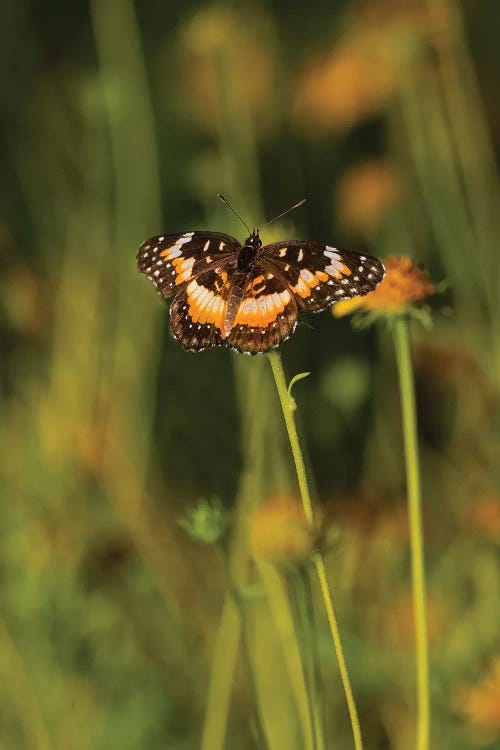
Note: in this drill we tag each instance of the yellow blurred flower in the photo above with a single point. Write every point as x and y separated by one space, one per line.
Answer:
479 704
398 621
365 194
484 516
355 79
338 88
280 533
403 285
227 64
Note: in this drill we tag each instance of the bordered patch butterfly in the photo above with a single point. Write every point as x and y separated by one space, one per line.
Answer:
248 296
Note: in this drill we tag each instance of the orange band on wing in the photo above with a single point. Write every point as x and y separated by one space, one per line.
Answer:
260 312
309 280
183 268
204 305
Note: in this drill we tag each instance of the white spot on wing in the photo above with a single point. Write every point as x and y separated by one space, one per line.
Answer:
334 268
306 275
331 252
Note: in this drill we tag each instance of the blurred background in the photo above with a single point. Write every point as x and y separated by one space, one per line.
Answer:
124 119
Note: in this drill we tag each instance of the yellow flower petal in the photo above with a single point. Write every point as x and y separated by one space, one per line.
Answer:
347 306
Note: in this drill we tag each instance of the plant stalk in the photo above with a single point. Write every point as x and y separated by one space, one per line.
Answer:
288 407
407 393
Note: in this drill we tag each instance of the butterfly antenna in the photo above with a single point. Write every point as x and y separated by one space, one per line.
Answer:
300 203
221 197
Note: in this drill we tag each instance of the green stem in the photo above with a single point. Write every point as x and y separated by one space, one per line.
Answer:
233 588
288 407
407 391
301 585
337 643
249 383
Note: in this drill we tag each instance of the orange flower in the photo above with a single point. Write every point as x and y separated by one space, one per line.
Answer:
280 533
365 194
343 85
399 621
338 88
403 285
484 516
479 704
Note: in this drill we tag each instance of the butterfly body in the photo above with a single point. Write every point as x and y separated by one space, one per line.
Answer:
248 296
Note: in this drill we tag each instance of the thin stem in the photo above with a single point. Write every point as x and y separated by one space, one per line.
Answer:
337 643
233 588
407 392
229 633
301 585
288 407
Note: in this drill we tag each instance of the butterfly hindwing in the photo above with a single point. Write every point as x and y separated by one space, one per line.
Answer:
172 260
319 274
267 315
197 312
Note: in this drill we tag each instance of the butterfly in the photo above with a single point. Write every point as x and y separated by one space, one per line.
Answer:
248 296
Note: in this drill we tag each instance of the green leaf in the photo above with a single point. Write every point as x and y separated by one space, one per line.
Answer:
295 379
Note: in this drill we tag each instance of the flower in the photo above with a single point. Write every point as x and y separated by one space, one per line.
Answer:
479 704
403 285
356 78
484 516
339 87
365 194
398 620
280 533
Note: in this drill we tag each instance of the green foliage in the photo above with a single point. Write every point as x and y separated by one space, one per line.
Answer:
121 120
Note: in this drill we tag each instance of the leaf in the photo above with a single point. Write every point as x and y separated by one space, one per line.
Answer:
295 379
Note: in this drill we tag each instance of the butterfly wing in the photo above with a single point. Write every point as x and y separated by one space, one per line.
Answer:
319 274
267 315
198 310
172 260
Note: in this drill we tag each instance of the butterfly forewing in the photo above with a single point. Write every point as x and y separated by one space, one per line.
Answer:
320 275
172 260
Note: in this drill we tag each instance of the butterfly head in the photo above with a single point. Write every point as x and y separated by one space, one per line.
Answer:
248 253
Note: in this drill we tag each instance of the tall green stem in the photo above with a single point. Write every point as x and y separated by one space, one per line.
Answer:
288 407
301 585
407 391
